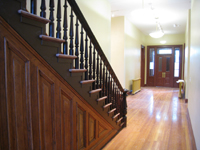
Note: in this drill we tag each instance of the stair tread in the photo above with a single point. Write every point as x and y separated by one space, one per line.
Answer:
102 98
52 39
86 81
122 124
119 119
112 110
95 91
33 16
66 56
116 115
77 70
107 105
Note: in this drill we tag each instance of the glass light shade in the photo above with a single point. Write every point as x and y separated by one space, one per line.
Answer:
157 34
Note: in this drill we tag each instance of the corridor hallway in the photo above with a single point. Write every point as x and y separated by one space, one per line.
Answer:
156 120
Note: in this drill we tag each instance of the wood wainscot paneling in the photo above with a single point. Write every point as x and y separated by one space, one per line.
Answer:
39 109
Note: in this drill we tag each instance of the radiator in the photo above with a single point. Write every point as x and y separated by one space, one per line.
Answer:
136 85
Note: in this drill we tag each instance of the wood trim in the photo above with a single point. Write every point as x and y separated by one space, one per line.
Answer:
77 70
51 39
142 69
103 98
33 16
105 106
95 91
66 56
87 81
112 110
191 134
116 115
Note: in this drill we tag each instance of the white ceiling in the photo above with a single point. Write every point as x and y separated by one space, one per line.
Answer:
142 14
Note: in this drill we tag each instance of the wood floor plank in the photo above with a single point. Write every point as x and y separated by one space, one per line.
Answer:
156 119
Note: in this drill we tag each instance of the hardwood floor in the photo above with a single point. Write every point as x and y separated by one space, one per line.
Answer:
157 119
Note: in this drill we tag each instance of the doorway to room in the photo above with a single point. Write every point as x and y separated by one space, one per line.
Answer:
164 65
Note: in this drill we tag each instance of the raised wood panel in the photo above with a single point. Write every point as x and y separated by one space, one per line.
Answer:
92 128
66 120
18 90
81 127
42 110
46 107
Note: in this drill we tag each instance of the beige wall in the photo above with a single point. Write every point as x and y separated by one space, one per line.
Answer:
117 48
194 79
98 16
187 54
126 41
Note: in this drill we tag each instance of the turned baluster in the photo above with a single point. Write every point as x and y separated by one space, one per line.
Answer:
65 26
43 9
106 86
33 6
86 56
111 96
94 68
58 29
77 45
51 18
103 89
81 49
97 72
71 34
90 61
100 78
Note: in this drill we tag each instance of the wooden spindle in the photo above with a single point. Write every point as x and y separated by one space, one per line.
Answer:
71 34
81 49
51 18
100 78
86 56
33 6
90 61
94 67
58 29
106 85
65 26
103 89
43 9
97 72
77 45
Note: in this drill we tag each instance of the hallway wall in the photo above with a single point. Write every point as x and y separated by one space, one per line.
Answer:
194 80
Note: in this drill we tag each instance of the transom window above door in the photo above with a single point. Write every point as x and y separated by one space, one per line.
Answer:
164 51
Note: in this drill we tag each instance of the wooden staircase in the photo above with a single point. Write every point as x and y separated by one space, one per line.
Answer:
93 79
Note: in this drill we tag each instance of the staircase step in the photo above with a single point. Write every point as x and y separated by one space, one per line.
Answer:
33 16
95 91
52 39
66 56
122 124
102 98
119 120
87 81
107 105
112 110
115 116
77 70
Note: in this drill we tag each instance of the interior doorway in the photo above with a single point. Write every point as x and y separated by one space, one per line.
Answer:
164 65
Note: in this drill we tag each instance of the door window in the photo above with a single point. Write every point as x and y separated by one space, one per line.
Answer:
152 60
176 62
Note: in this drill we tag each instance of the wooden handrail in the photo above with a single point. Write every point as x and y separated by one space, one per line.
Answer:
90 34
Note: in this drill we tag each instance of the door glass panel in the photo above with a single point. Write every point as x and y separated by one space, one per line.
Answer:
160 64
164 51
151 61
167 63
176 62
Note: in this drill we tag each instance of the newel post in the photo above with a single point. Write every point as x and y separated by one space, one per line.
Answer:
125 107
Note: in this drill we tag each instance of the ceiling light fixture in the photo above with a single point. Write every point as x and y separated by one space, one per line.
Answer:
157 34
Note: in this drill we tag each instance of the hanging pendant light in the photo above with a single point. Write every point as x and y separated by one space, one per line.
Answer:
159 33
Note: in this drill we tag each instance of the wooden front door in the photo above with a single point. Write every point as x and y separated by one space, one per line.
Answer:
164 70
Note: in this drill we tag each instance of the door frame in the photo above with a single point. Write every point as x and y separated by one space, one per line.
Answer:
142 68
151 80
